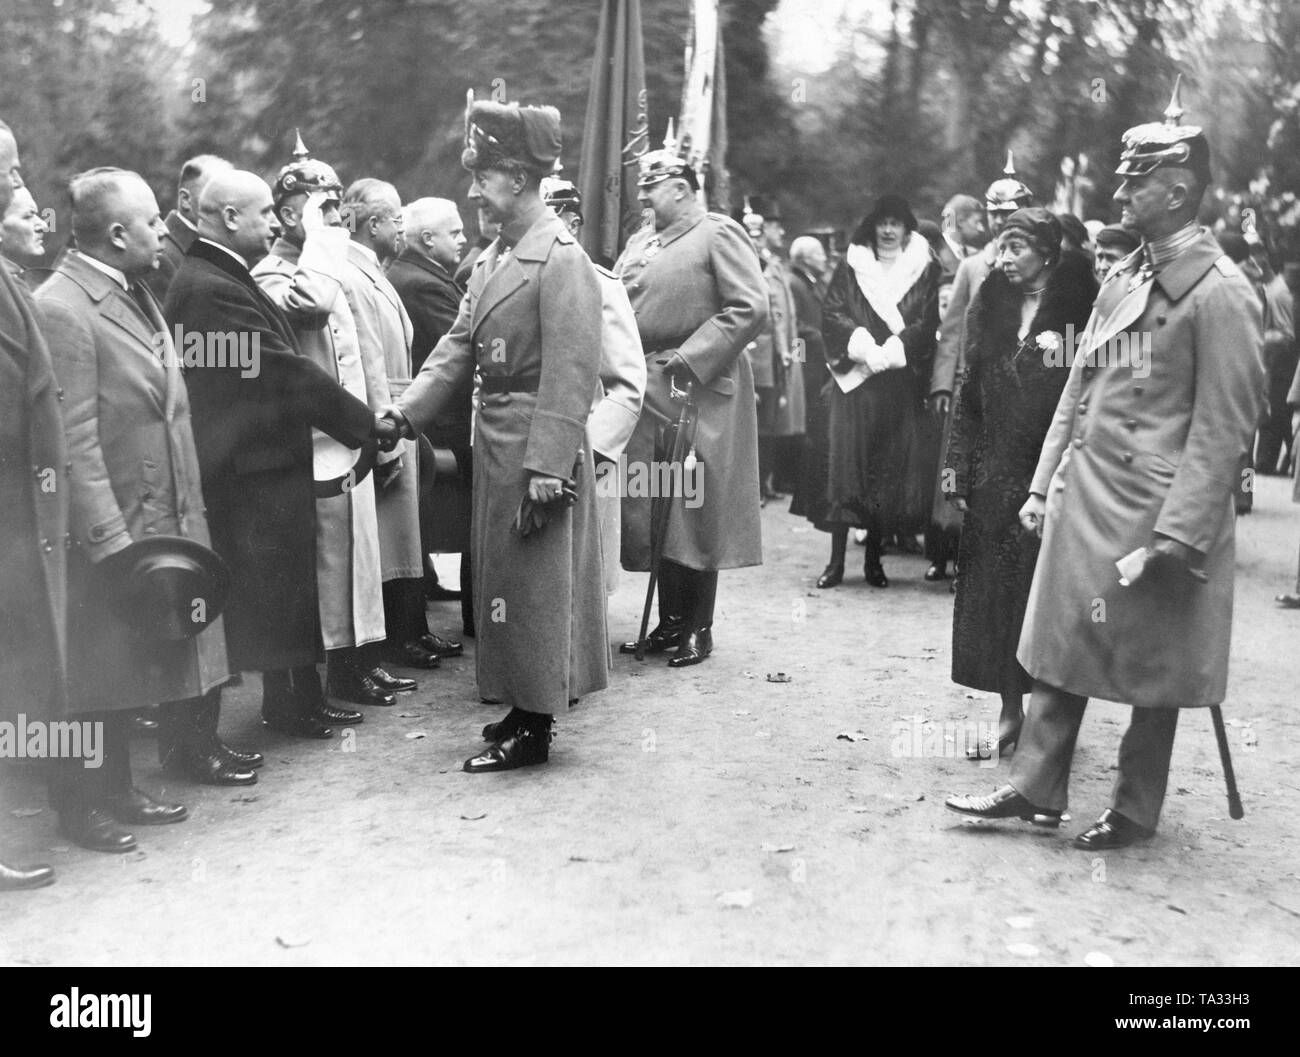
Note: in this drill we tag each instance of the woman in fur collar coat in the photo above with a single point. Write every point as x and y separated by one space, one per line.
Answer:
879 321
1018 360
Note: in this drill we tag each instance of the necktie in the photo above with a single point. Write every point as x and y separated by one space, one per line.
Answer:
140 295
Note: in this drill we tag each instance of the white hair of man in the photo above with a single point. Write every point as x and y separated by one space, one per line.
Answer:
805 250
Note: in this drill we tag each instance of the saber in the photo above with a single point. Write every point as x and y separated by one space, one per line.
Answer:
684 425
1229 776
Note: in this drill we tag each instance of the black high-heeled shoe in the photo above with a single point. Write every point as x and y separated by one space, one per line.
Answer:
832 575
874 573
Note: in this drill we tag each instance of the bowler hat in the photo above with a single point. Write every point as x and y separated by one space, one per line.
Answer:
167 587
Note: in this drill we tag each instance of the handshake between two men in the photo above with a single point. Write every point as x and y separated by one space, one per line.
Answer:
391 426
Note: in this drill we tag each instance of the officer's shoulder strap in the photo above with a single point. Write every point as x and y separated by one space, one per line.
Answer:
603 270
564 237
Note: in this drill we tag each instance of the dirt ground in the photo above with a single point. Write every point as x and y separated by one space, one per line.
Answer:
708 815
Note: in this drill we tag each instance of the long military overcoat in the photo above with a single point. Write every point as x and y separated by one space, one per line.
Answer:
134 474
697 290
532 315
306 283
1137 451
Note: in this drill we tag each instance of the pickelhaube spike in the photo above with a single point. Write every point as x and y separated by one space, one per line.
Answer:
670 138
1168 142
1174 111
299 148
1008 192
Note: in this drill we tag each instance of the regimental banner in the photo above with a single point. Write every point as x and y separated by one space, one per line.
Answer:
617 133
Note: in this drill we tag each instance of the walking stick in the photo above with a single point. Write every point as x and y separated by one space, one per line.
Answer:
1229 776
659 518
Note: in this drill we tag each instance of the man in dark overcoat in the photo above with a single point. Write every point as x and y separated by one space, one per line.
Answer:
252 415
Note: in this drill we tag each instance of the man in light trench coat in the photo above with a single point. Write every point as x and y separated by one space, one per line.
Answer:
1141 459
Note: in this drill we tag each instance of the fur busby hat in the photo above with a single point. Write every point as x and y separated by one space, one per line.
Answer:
510 136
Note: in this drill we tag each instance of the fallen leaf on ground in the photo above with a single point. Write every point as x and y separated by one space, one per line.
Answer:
767 846
25 812
415 735
1023 950
740 899
473 816
292 941
244 798
1021 921
851 735
740 712
1098 960
779 677
1175 908
408 715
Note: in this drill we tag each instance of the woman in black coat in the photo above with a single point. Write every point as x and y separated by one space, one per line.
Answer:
1017 363
880 320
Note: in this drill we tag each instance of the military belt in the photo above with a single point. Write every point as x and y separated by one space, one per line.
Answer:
509 383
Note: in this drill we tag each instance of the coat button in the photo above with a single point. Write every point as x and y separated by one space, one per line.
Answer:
59 393
1131 423
67 541
1162 320
1083 409
1138 390
1078 442
1127 456
151 531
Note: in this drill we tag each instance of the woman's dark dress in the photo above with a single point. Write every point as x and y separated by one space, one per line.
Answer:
1006 397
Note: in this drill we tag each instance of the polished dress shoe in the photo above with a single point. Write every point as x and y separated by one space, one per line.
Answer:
1112 830
137 808
874 573
13 879
391 684
438 593
93 829
212 768
239 757
358 688
832 576
441 647
693 648
411 655
666 636
1003 803
523 747
297 724
938 571
1288 601
347 717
